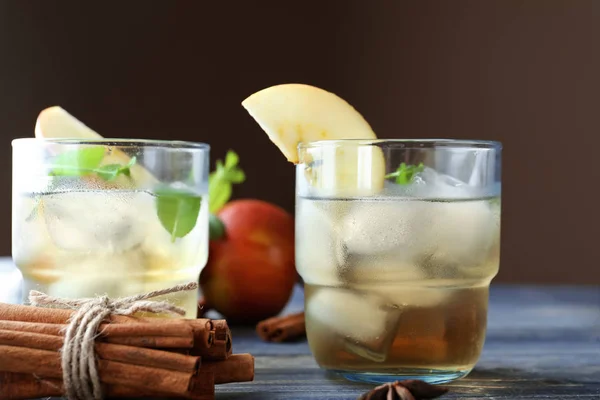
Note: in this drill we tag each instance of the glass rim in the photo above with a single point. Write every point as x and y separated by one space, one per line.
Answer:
407 143
166 144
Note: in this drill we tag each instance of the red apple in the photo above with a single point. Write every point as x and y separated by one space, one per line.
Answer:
250 272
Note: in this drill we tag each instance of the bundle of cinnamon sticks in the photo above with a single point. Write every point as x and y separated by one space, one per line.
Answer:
136 357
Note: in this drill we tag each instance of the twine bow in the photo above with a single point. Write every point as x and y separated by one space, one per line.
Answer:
78 359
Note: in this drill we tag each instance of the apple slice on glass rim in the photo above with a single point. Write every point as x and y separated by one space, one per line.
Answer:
56 123
291 114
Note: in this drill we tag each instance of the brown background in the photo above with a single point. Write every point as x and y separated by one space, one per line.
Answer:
526 73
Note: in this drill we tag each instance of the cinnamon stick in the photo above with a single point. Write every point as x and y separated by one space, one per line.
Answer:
154 342
194 334
46 363
27 386
17 312
148 357
169 336
282 329
34 327
203 343
237 368
106 351
173 328
30 365
220 340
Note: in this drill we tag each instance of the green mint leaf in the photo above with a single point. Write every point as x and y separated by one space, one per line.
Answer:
236 176
177 210
126 170
87 161
220 181
108 172
77 162
220 195
231 159
405 174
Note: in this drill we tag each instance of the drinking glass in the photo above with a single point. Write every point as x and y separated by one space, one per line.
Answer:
397 242
112 217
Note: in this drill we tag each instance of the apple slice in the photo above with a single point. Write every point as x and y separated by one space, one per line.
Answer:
56 123
295 113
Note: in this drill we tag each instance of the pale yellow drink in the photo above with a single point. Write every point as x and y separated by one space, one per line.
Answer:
114 217
86 243
397 286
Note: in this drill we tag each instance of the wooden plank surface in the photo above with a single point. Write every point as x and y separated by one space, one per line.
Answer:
542 343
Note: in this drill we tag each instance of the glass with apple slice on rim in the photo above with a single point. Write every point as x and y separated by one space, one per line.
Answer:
397 241
114 217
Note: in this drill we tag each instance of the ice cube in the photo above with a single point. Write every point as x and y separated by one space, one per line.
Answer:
383 269
386 226
453 233
400 283
433 184
463 233
109 221
319 252
365 321
417 294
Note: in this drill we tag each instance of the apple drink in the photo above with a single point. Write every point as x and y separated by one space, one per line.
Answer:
397 241
397 286
110 217
396 277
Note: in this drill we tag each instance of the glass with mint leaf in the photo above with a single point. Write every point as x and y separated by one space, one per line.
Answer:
114 217
397 242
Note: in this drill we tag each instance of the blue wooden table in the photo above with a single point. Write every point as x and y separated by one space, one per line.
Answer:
542 343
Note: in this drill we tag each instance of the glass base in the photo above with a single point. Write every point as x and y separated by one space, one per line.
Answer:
428 375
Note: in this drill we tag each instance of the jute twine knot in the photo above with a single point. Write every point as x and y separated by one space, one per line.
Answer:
81 379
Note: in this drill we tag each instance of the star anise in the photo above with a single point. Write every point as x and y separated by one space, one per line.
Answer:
405 390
